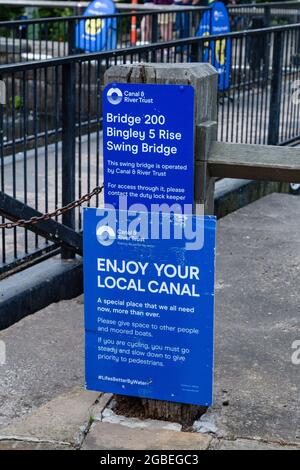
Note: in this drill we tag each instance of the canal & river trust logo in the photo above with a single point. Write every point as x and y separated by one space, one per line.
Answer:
114 96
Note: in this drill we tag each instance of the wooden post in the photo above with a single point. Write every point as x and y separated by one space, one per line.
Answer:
204 79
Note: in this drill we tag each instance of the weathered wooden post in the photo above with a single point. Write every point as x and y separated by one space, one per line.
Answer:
204 79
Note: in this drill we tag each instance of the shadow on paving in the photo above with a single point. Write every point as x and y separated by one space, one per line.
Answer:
257 320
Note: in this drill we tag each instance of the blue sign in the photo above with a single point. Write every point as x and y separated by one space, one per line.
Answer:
216 22
149 306
148 144
97 34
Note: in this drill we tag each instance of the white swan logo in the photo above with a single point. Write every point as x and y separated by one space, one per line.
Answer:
218 15
114 95
105 235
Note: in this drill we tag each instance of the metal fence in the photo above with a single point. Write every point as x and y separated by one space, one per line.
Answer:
260 15
40 39
56 37
52 118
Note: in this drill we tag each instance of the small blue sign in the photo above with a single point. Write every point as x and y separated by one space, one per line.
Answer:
97 34
149 306
148 144
216 22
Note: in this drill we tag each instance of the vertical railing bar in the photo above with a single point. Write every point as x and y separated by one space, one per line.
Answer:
46 167
57 114
276 91
3 236
89 124
68 147
14 189
79 137
36 163
24 85
98 111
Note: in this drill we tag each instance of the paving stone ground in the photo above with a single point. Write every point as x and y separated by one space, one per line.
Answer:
105 436
256 404
257 320
44 359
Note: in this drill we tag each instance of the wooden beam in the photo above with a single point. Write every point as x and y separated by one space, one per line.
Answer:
255 162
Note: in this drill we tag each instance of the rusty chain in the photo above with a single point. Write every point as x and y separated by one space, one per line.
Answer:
56 213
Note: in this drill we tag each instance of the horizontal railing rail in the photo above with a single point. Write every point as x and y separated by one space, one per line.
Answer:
20 40
142 10
24 39
123 5
62 19
83 57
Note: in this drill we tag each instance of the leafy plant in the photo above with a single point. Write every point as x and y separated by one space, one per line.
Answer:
16 102
7 13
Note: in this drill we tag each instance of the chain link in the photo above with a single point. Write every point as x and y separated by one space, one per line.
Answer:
49 215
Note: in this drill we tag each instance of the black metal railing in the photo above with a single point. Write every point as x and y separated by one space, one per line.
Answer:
263 14
258 104
39 39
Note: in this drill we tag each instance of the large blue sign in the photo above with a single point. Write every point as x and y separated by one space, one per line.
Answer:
97 34
149 306
148 144
216 22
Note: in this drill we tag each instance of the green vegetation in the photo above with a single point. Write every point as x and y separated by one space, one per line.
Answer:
55 30
53 12
16 103
7 13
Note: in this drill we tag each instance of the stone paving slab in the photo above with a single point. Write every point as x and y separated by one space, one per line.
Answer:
243 444
104 436
21 445
44 358
62 420
78 419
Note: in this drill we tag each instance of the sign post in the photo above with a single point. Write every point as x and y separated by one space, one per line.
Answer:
159 293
